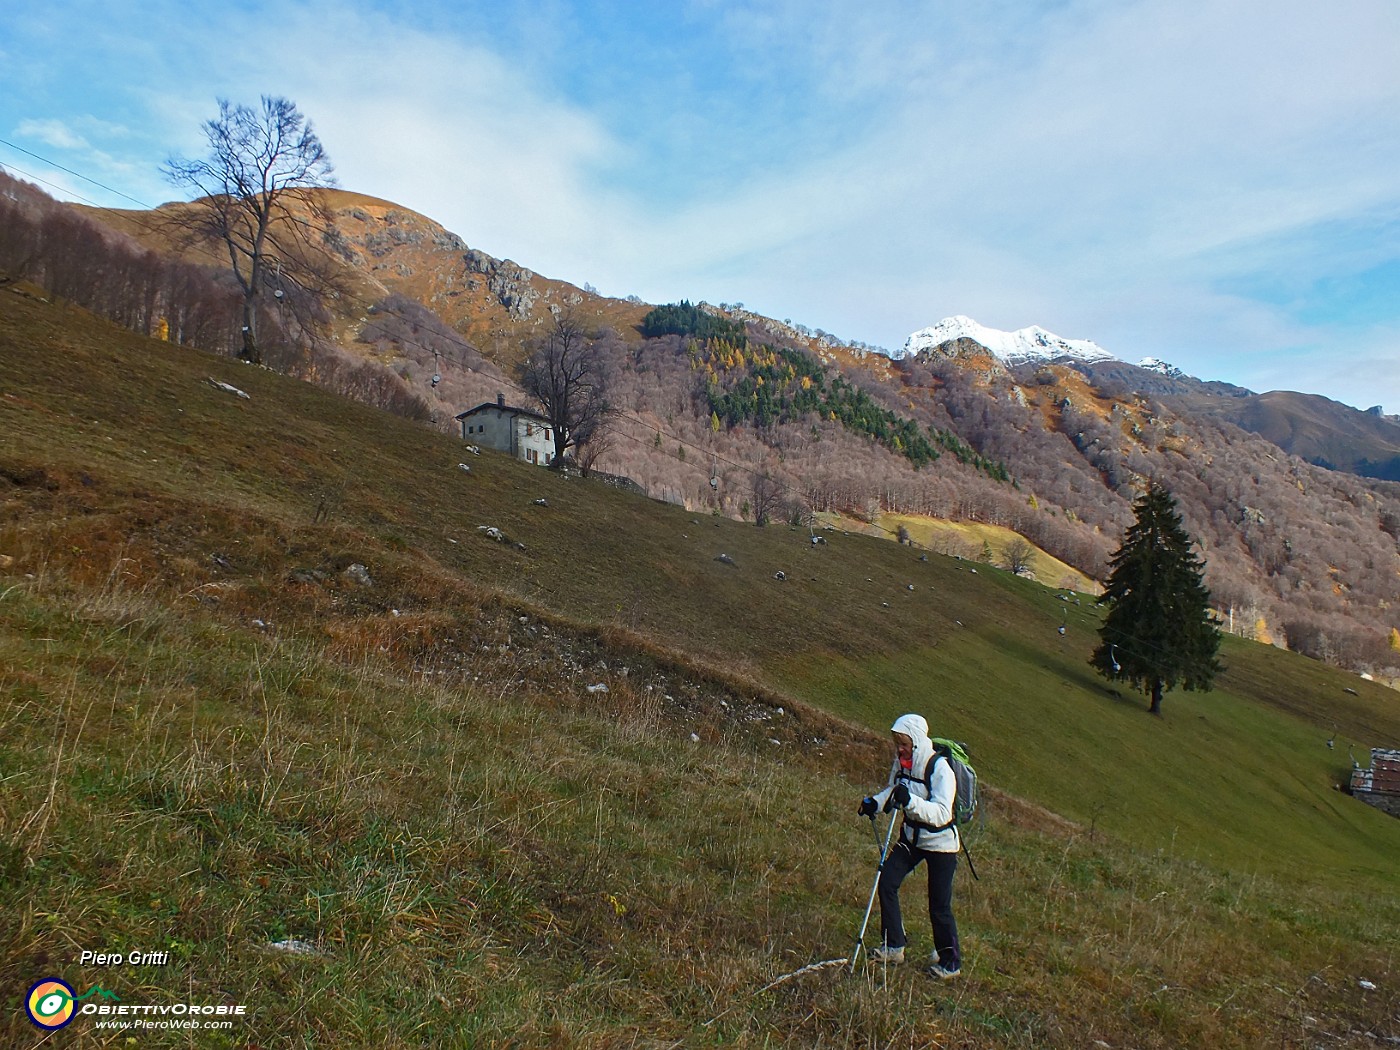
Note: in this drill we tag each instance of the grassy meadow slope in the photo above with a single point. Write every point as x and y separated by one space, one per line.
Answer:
217 735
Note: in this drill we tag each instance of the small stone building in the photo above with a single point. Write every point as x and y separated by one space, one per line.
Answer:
1379 786
523 433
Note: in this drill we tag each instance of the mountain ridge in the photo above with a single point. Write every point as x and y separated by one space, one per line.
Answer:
1318 429
1024 346
1077 451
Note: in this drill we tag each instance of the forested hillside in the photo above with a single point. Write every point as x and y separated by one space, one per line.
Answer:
727 412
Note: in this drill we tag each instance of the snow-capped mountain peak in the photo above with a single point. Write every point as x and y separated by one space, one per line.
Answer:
1026 345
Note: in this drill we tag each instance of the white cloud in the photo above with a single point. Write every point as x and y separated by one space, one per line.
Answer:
1122 172
51 133
451 130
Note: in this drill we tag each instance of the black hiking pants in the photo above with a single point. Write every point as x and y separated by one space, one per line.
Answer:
902 860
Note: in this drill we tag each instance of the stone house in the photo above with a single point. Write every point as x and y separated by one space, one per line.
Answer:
524 433
1379 786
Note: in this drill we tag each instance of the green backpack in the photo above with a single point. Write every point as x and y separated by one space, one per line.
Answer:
965 799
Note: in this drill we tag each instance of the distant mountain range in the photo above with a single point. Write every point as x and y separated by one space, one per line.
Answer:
1324 432
1046 436
1315 428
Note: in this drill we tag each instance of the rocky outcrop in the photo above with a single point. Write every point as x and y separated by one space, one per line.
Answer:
967 352
509 283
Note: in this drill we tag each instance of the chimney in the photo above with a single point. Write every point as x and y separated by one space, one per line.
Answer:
500 400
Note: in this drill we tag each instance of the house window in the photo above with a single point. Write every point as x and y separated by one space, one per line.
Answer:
529 429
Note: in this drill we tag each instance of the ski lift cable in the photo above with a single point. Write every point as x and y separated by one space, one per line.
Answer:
70 171
347 296
150 227
355 299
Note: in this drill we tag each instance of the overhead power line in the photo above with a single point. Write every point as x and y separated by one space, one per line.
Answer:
219 262
350 297
75 174
354 299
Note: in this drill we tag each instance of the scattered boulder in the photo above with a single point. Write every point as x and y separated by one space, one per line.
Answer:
228 389
358 575
464 467
726 559
295 947
780 575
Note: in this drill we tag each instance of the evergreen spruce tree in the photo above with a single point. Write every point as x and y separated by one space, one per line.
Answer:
1158 633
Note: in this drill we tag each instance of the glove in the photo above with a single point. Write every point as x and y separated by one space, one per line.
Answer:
899 797
867 807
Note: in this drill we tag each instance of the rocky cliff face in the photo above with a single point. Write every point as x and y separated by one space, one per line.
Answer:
508 283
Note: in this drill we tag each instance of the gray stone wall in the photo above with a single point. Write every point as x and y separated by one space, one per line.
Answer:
1385 803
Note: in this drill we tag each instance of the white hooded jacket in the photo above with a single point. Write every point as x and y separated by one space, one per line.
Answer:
932 807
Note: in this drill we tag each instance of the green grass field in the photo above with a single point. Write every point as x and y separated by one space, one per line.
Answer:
213 740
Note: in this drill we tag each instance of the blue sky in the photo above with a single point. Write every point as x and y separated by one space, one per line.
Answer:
1212 182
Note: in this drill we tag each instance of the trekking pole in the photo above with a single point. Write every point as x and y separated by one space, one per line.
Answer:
970 866
874 889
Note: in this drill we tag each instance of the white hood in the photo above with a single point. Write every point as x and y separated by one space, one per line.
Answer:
915 727
912 726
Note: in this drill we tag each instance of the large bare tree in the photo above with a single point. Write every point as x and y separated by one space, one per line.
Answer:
256 198
1018 555
767 493
567 375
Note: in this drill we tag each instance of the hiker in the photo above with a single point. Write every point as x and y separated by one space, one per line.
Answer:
928 835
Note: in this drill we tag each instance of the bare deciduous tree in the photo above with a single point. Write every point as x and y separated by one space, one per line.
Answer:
1016 556
566 374
261 171
766 493
591 444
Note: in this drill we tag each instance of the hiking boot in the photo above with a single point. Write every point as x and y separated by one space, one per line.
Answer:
938 970
886 955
